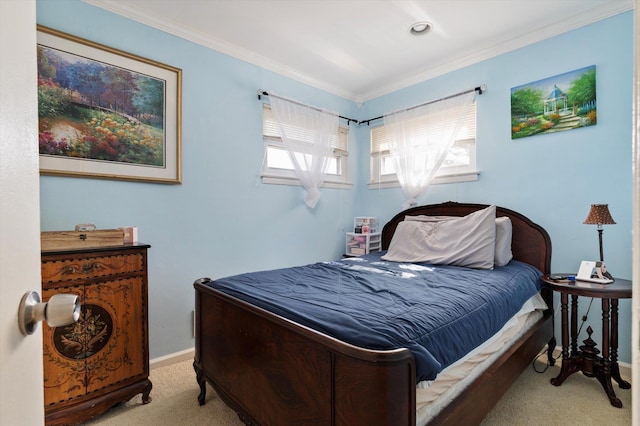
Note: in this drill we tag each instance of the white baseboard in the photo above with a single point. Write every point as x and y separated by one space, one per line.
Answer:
173 358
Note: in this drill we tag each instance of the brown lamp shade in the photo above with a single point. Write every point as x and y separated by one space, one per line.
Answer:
599 215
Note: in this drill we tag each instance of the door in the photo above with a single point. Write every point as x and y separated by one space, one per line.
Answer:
635 307
21 395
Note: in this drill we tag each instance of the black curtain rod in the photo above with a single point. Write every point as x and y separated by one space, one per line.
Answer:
349 120
478 89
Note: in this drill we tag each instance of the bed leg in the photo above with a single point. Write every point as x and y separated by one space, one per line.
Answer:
202 382
550 348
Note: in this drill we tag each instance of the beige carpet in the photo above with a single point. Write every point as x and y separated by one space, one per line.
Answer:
531 401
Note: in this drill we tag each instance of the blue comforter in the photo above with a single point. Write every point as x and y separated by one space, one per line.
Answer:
438 312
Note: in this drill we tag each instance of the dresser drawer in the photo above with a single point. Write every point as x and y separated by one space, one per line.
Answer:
59 269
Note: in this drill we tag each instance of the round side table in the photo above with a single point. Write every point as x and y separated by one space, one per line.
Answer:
587 358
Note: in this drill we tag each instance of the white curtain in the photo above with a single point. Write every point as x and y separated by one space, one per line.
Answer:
309 135
420 138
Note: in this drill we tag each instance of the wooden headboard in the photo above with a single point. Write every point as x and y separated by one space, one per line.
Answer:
530 242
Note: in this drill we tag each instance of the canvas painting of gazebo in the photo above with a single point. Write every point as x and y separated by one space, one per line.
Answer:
555 104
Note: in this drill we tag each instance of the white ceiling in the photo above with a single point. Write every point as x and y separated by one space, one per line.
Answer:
361 49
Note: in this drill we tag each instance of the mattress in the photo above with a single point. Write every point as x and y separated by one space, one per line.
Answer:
433 395
440 313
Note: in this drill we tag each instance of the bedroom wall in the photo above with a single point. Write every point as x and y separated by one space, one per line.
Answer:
553 179
222 220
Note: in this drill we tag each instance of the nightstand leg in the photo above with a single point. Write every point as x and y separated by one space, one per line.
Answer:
604 374
574 325
615 368
564 310
615 375
604 377
569 366
608 387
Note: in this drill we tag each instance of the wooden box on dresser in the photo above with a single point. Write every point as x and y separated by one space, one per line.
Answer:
102 359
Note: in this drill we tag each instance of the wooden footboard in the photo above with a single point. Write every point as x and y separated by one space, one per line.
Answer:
275 372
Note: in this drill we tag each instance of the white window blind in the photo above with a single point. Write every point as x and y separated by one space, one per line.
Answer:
460 161
271 131
379 143
277 166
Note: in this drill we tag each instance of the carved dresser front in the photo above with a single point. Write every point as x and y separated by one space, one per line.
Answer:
103 358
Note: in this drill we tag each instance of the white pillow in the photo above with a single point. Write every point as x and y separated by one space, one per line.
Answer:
504 230
465 241
503 235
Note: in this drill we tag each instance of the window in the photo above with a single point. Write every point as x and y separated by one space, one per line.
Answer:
458 166
277 167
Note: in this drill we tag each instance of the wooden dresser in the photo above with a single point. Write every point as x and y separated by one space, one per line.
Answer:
103 358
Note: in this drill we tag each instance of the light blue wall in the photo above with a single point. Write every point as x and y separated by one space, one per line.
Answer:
553 179
223 221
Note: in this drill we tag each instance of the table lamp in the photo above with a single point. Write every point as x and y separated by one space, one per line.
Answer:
599 215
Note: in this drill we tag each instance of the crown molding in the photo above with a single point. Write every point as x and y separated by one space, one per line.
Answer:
126 10
539 34
222 46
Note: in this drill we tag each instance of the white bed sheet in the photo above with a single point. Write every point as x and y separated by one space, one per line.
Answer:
432 396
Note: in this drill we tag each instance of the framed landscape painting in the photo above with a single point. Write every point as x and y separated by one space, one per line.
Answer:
106 113
563 102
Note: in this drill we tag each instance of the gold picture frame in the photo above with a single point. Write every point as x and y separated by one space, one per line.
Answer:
105 113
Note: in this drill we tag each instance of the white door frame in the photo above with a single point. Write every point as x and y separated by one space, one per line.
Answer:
21 391
635 325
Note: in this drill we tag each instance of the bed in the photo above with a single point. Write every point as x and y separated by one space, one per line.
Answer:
275 368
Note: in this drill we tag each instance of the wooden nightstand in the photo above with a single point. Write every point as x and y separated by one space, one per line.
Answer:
103 359
586 358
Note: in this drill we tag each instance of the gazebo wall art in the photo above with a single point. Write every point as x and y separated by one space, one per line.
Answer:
555 104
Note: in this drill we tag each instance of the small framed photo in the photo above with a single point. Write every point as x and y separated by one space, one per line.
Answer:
105 113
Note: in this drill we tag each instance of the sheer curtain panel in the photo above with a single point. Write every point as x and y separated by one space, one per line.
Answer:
420 138
308 135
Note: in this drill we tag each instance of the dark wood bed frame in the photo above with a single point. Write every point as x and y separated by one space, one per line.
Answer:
273 371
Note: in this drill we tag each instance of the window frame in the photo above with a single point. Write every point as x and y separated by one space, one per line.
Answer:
446 174
284 176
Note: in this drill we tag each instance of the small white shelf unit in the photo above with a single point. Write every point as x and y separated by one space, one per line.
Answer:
359 244
370 224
